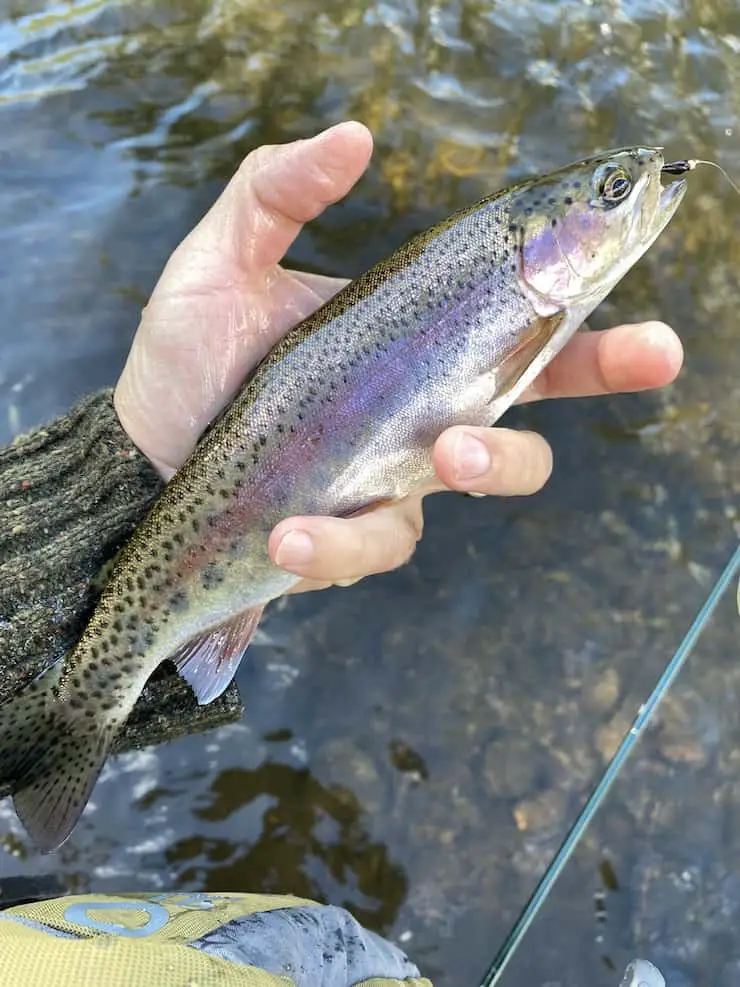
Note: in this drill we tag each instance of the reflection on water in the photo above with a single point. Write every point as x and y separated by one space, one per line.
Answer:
485 685
306 827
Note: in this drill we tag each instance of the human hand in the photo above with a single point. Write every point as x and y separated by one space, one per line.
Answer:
223 301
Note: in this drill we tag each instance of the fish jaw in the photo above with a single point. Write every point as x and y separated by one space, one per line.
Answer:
671 198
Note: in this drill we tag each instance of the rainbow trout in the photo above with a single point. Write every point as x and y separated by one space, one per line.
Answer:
450 329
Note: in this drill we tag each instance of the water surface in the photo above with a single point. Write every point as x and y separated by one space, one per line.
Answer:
485 684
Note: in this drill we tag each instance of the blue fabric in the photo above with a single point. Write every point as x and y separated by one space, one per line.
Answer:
320 946
39 926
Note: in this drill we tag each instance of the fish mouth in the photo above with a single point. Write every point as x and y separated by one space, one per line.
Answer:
670 199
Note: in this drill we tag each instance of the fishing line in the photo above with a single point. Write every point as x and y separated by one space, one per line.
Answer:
645 712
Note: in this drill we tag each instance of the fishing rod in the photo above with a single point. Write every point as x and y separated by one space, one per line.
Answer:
569 844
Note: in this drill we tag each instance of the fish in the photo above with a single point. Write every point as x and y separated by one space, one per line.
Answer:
342 414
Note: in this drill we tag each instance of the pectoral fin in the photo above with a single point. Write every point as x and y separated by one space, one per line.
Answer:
525 353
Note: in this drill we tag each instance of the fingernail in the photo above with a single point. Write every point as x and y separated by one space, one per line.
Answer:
471 458
660 337
296 549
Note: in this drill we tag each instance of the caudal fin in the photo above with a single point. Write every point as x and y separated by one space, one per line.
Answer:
50 758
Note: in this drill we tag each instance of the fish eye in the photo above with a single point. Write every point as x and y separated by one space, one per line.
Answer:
614 185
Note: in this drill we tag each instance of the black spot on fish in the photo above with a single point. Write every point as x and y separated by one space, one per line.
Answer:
553 223
211 576
568 200
179 602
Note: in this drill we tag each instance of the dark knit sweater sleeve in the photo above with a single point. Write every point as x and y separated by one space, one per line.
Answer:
71 493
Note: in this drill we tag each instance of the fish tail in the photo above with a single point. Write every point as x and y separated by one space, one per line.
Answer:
50 758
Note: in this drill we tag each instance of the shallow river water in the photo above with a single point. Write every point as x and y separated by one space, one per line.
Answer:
485 685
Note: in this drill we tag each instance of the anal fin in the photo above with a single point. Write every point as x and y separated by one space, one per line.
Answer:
209 662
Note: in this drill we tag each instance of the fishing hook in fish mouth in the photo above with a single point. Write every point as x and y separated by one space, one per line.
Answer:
679 167
683 167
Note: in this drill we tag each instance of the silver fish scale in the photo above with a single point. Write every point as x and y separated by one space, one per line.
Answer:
345 415
384 375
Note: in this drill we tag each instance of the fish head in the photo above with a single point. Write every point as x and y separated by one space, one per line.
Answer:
581 229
